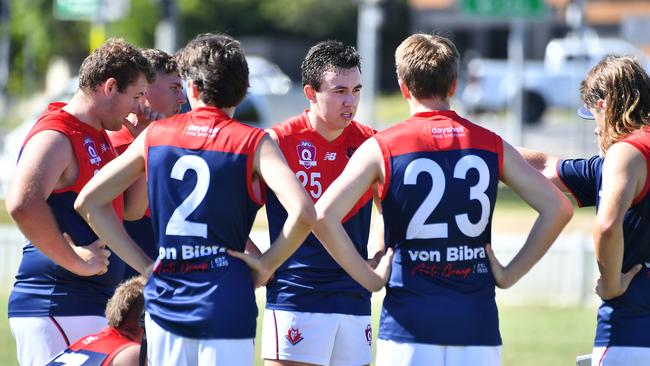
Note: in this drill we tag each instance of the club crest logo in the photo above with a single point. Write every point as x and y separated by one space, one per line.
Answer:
91 150
350 150
369 335
294 336
306 154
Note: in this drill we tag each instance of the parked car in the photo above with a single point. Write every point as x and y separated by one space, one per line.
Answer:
554 82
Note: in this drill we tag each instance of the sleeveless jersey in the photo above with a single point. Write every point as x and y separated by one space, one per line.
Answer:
42 287
199 168
625 320
93 350
310 280
140 230
439 193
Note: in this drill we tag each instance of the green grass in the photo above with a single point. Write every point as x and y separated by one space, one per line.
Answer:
532 336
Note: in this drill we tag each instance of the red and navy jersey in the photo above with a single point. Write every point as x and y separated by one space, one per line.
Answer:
93 350
440 188
310 280
623 321
140 230
199 168
42 287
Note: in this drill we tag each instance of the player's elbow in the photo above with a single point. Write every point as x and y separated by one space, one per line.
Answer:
564 210
306 215
82 204
18 208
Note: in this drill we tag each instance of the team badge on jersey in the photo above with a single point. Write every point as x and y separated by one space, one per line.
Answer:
350 150
91 150
369 335
306 154
294 336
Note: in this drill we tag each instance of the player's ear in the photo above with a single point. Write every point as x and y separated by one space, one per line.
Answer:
192 89
310 93
110 86
404 89
452 90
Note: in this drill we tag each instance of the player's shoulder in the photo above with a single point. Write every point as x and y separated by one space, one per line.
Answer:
291 126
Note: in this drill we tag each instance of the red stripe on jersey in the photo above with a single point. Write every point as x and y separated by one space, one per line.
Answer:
435 131
641 141
318 160
208 129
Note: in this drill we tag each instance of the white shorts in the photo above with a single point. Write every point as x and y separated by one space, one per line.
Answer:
38 339
391 353
317 338
165 348
620 356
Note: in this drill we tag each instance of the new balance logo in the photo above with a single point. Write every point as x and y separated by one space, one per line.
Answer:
330 156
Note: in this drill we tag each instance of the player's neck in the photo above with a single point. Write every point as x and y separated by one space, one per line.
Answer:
427 105
84 108
323 128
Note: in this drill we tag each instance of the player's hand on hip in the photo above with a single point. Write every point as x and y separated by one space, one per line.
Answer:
94 258
499 272
383 268
260 274
626 279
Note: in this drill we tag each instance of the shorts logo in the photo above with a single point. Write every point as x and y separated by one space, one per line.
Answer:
91 150
369 335
306 154
294 336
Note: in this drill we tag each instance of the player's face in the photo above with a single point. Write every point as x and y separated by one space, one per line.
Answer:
166 94
123 103
338 97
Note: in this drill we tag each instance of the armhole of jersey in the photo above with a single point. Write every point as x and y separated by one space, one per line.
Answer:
74 187
571 192
250 159
500 155
385 154
119 349
147 138
645 153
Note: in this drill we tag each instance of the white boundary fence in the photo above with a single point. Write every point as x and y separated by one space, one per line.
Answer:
565 276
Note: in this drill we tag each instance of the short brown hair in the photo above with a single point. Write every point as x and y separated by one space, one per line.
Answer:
216 64
126 304
160 60
114 59
625 87
428 65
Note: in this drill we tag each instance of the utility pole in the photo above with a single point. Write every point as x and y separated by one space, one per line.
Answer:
167 28
370 20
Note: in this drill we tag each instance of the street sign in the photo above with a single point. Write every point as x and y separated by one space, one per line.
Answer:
504 8
91 10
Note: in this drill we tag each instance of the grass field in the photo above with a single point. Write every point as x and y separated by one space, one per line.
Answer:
532 336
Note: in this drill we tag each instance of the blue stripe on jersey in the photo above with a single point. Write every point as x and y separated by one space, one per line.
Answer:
200 207
437 216
43 288
310 280
625 320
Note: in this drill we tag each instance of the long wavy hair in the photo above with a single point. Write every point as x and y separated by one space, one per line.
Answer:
625 87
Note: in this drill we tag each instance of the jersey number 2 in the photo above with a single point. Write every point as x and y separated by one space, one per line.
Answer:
178 223
417 228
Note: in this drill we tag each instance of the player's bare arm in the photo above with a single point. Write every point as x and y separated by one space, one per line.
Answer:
554 209
136 200
46 164
129 356
376 237
624 175
545 164
363 170
94 204
270 165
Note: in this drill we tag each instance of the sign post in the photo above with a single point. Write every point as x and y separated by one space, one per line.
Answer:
517 11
